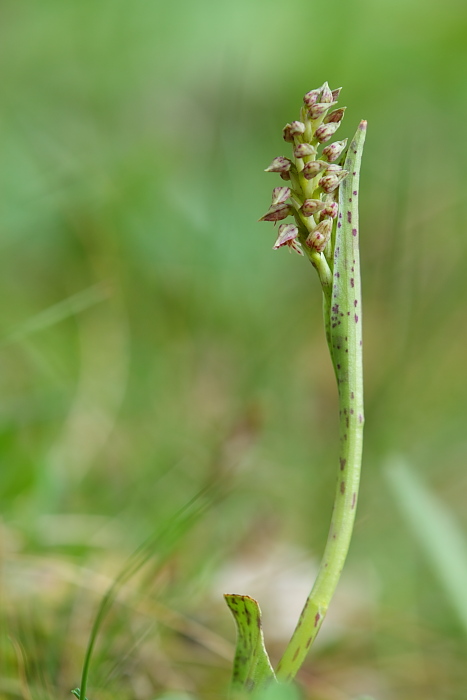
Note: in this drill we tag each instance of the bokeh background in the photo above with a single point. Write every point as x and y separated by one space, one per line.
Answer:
155 352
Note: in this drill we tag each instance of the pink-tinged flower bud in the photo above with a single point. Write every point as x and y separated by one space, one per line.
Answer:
312 97
335 94
279 165
280 195
277 212
326 94
291 130
331 182
287 236
336 116
333 151
325 131
304 149
313 167
333 168
319 237
311 206
317 110
330 210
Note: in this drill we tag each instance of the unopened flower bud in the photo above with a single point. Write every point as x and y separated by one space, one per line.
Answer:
326 94
311 97
317 110
330 210
326 131
330 182
287 236
335 94
277 212
313 167
311 206
335 116
333 168
319 237
279 165
333 151
291 130
304 149
280 195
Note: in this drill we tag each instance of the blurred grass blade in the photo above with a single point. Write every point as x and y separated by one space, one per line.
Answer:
252 668
438 532
60 311
162 543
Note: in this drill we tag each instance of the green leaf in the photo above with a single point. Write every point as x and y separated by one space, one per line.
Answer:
280 691
77 693
252 668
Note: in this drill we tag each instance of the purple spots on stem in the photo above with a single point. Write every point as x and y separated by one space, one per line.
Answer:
354 232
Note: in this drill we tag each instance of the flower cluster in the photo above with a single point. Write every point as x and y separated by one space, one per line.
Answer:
313 178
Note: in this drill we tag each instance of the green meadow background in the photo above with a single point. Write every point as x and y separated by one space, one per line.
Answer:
155 352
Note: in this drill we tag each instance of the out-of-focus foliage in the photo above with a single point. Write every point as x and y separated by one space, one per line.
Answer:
153 344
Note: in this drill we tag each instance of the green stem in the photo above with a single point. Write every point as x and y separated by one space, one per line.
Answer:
344 333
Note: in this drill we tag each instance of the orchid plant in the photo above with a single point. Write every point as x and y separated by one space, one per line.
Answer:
320 192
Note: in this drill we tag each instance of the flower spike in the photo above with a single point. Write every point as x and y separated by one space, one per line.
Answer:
313 175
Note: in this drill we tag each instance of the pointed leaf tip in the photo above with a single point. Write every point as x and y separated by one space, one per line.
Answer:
252 668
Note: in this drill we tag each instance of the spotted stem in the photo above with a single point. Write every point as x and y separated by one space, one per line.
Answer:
343 323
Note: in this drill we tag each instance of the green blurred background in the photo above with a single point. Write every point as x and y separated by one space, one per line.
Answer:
154 345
